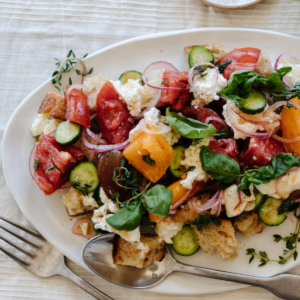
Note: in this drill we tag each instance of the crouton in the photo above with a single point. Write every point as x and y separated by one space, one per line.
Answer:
55 105
218 239
77 204
138 254
249 224
217 50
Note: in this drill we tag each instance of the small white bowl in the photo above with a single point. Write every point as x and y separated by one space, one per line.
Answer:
230 4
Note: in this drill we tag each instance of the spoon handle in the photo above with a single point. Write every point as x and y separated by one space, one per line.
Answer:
285 286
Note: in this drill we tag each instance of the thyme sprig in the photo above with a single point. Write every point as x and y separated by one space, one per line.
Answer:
290 251
65 66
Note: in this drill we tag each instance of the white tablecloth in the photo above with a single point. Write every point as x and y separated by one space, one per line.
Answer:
34 31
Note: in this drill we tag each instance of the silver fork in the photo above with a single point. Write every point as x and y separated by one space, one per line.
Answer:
44 260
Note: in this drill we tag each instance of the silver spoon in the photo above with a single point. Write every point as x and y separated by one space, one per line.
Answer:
97 255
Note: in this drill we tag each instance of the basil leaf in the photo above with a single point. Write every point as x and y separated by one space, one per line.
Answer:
145 222
205 220
220 166
127 218
158 200
287 205
188 127
148 160
241 82
221 67
281 163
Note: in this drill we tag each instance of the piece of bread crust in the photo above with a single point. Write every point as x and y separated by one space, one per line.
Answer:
249 224
217 50
55 105
218 239
138 254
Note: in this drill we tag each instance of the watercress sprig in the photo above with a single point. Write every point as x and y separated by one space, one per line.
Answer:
65 66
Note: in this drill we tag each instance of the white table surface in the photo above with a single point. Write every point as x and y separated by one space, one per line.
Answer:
34 31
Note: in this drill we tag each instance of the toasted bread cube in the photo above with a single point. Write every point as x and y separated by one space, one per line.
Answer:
55 105
218 239
249 224
139 254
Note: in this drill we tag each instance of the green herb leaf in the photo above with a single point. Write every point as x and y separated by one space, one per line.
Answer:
70 81
277 238
78 72
127 218
289 105
220 166
69 53
90 71
36 164
251 259
286 206
191 168
263 254
204 220
295 255
281 163
158 200
250 251
164 82
84 56
282 262
51 168
221 67
189 128
148 160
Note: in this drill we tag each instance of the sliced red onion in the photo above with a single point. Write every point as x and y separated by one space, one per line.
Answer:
76 229
273 108
182 200
159 66
93 96
153 128
289 59
191 79
173 212
93 136
208 119
151 104
102 148
207 205
219 206
31 161
292 218
277 182
251 118
230 113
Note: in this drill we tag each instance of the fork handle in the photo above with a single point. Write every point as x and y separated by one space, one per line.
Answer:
67 273
285 286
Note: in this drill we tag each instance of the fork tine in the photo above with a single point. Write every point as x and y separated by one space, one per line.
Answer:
22 238
19 260
22 227
28 252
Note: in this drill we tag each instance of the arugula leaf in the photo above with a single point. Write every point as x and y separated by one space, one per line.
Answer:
188 127
220 166
128 217
204 220
158 200
148 160
221 67
281 163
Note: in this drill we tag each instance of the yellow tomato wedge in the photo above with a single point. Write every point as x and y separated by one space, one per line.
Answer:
290 118
153 146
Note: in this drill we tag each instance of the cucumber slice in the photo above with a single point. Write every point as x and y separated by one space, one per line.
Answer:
255 104
259 200
67 136
84 177
124 77
185 242
174 168
200 54
268 213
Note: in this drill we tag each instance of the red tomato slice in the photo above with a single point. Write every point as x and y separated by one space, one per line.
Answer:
49 153
201 114
177 98
113 115
225 146
259 152
78 108
241 59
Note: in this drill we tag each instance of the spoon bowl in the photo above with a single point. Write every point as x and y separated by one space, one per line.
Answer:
97 255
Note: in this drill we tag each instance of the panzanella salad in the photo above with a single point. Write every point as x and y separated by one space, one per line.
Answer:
197 154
